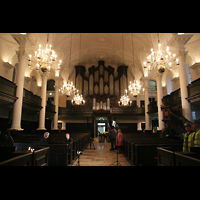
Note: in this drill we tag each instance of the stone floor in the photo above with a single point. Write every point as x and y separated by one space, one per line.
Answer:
100 156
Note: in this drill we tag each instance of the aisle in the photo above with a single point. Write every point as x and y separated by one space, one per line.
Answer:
100 156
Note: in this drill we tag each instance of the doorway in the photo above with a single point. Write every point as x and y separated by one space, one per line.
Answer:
101 126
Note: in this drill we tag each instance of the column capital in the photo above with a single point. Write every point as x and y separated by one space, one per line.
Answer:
57 81
145 80
183 54
179 41
158 75
24 39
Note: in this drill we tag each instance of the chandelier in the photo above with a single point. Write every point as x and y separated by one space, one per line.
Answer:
160 59
134 88
78 100
124 100
46 58
67 89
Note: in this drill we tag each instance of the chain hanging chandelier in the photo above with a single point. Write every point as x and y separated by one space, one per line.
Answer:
125 100
134 88
45 58
67 89
160 59
78 100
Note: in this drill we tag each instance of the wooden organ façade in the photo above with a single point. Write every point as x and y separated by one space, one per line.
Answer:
103 87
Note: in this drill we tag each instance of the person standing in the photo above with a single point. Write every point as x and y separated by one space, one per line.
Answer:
119 140
188 139
112 137
196 136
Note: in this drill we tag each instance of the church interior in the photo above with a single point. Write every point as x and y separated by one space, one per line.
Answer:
80 83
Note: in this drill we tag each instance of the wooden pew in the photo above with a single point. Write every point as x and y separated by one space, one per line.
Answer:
57 153
168 156
40 157
20 160
81 141
132 139
187 160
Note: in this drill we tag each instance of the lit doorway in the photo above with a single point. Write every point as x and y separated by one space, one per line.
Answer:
101 127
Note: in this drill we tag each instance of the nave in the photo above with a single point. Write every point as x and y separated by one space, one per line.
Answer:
100 156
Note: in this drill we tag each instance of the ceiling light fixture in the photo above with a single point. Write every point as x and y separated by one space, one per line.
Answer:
160 59
46 59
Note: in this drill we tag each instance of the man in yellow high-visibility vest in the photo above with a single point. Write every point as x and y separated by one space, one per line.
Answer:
196 136
188 139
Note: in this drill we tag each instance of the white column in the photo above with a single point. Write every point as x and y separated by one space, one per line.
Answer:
186 108
146 98
43 103
139 128
63 125
17 109
179 42
24 41
138 101
159 101
56 98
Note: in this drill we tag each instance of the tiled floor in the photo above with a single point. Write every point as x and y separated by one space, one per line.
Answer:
100 156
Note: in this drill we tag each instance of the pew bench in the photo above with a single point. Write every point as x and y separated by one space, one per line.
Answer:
189 159
23 158
146 154
168 156
57 153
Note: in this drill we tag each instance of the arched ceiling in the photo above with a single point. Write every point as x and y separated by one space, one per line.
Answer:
131 49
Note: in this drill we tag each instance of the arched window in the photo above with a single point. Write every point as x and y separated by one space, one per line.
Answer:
152 85
169 85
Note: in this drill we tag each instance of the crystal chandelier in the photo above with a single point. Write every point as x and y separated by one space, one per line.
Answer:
160 59
46 59
67 89
78 100
134 88
124 100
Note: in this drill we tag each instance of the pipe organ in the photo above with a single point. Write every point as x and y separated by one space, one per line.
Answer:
101 86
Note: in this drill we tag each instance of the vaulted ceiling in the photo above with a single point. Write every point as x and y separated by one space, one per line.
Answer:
131 49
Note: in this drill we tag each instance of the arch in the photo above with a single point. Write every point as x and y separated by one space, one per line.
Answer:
169 85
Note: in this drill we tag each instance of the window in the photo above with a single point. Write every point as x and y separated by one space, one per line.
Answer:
152 85
193 115
189 76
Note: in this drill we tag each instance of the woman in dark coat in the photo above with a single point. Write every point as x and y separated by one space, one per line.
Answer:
119 140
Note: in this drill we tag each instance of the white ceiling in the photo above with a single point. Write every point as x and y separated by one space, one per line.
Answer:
113 48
